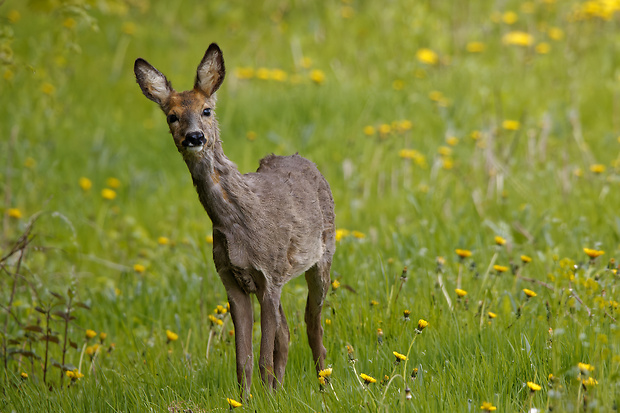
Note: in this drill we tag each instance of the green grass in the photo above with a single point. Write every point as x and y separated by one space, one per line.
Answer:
71 109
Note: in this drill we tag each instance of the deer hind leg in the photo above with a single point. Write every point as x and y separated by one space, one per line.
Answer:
242 316
317 278
280 353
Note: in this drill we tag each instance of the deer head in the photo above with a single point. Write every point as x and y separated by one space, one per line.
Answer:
190 114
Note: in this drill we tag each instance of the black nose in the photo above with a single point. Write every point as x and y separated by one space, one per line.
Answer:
194 139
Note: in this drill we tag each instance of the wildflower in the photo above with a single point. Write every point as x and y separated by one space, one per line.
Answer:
325 372
220 309
233 403
369 130
592 253
103 336
14 16
422 324
585 368
555 33
278 75
341 233
384 129
215 320
24 375
374 303
317 76
358 234
488 407
511 124
427 56
597 168
328 322
529 293
244 72
129 28
163 241
305 62
533 386
399 356
475 47
543 48
406 314
139 268
85 183
75 374
460 293
113 182
90 334
500 268
452 140
251 136
335 284
499 240
407 393
398 84
322 380
14 213
444 151
405 125
491 315
463 253
48 88
108 194
589 382
435 95
29 162
262 73
510 17
70 374
525 259
367 379
518 38
171 336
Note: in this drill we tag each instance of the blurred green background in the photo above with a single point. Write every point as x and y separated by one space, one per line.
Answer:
438 124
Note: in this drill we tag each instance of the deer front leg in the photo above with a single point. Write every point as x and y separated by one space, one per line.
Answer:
280 354
243 319
269 323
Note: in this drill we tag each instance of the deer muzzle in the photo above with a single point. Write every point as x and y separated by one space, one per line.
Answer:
194 140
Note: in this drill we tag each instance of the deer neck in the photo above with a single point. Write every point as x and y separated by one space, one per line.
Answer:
222 190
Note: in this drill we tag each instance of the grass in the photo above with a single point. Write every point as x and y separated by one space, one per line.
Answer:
547 181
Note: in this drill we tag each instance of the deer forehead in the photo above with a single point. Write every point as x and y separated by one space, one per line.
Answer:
188 102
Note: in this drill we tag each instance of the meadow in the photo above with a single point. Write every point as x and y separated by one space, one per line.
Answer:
473 151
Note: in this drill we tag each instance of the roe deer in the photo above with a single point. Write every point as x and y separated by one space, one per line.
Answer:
268 226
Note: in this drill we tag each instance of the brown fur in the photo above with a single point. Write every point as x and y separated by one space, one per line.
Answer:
268 226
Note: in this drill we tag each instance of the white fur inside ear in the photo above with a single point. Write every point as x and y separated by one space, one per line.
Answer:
209 75
157 86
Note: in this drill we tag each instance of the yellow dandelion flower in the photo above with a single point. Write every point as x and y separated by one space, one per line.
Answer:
262 73
251 136
384 129
70 374
8 75
85 183
171 336
220 309
90 333
367 379
500 268
139 268
555 33
69 23
406 314
509 124
510 17
398 84
422 324
529 293
436 96
533 386
113 183
317 76
233 403
444 151
585 368
328 322
399 357
427 56
24 375
463 253
358 234
369 130
305 62
209 239
518 38
163 240
452 140
29 162
404 125
322 380
48 88
129 28
491 315
525 259
589 382
374 303
460 293
499 240
278 75
244 72
335 284
592 253
14 16
103 336
543 48
14 213
488 407
341 233
108 194
597 168
475 47
325 372
215 320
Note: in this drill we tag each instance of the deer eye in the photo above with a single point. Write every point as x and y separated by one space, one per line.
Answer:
206 112
172 118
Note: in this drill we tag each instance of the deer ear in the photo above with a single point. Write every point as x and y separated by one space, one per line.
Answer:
211 71
153 83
